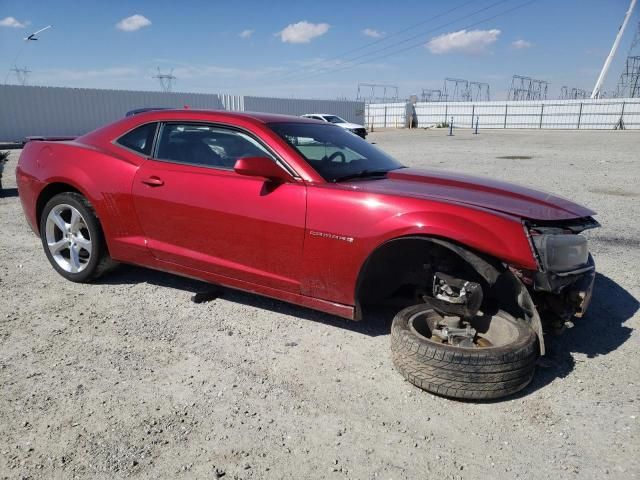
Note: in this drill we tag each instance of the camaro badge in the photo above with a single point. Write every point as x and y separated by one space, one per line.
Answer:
331 236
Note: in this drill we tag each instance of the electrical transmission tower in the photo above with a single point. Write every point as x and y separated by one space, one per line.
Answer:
374 90
479 92
527 88
166 80
572 93
629 81
461 90
456 90
431 95
22 74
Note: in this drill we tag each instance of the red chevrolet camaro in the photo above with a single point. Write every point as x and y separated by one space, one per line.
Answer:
309 213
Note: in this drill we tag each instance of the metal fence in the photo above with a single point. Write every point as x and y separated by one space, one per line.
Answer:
385 115
54 111
351 111
552 114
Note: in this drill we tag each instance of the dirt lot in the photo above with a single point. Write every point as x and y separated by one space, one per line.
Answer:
129 378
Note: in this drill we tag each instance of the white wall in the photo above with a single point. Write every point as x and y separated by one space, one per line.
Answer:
385 115
559 114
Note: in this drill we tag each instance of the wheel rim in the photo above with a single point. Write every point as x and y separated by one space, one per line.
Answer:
491 330
68 238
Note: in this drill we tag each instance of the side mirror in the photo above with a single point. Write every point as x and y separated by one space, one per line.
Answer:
261 167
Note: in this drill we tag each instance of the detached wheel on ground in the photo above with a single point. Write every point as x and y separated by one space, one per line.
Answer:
492 357
72 238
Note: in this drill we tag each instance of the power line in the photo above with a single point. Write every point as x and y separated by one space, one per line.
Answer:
415 45
413 37
376 42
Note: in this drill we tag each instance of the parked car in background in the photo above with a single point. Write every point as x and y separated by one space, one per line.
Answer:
305 212
341 122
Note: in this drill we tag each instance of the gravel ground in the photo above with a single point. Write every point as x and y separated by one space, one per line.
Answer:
129 378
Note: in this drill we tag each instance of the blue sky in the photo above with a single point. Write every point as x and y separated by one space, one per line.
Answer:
297 48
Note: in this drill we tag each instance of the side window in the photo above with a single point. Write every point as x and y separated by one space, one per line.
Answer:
140 139
206 145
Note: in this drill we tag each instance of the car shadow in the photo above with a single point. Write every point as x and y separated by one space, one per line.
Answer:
375 322
599 332
8 192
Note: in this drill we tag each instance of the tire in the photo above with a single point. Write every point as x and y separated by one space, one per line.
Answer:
478 373
85 237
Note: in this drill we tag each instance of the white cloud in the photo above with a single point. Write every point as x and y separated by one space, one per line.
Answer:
302 32
520 44
133 23
246 33
12 22
74 75
194 71
473 42
370 32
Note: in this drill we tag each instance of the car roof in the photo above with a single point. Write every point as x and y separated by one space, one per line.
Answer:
322 114
189 113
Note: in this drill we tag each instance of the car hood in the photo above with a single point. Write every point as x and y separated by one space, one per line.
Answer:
349 125
477 191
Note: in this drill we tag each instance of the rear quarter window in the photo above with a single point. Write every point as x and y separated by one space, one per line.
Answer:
139 139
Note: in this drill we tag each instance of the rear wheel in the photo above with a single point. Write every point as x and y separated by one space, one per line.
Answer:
72 238
493 356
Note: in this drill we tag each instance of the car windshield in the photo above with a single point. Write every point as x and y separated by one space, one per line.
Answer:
336 154
334 119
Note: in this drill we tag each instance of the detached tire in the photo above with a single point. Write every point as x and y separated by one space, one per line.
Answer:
505 366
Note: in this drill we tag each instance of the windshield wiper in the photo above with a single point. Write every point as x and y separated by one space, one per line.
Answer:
361 174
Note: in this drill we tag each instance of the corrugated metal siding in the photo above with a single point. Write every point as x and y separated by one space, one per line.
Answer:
50 111
234 103
27 110
349 110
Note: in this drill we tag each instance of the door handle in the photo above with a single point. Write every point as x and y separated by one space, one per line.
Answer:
153 181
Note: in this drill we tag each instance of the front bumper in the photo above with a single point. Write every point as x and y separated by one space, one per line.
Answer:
566 295
361 132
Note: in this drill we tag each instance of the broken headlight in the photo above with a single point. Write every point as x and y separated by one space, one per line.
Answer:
561 253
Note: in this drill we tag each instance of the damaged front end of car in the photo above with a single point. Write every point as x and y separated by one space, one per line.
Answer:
548 299
562 286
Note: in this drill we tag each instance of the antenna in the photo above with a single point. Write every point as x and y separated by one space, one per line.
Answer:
166 80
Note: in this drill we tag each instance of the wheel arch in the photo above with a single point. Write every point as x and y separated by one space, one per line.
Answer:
403 247
50 191
394 257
